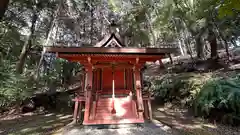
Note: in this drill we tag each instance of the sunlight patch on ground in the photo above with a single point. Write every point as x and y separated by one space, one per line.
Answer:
35 124
126 132
28 129
50 121
59 115
48 127
58 132
65 117
160 125
50 114
210 126
124 121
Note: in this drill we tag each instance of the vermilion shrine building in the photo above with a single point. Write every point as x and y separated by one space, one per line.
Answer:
112 91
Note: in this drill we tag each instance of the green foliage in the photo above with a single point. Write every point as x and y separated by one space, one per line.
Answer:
208 96
14 88
229 8
182 87
222 95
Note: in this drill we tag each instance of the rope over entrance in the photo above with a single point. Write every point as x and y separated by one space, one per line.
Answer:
113 91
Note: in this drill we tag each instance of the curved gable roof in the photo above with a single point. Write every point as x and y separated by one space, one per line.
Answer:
111 40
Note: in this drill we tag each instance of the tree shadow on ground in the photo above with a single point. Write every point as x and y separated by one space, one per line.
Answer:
182 122
30 123
123 129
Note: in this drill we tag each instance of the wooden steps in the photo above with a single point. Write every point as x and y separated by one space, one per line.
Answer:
122 121
123 107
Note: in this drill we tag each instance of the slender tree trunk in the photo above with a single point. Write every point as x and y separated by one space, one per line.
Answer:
170 57
226 47
234 43
199 47
27 45
91 36
180 47
48 35
189 49
213 43
183 42
223 38
151 29
3 7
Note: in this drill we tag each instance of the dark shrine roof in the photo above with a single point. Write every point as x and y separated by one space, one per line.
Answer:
111 44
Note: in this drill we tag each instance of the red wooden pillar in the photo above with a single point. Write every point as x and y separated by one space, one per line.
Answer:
78 100
75 113
138 86
89 77
149 108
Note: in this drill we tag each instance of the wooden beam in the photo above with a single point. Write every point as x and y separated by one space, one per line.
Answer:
89 60
107 50
96 58
146 115
75 114
149 109
80 111
138 90
88 91
117 66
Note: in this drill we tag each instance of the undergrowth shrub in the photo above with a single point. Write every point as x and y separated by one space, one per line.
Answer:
210 96
179 87
220 99
13 87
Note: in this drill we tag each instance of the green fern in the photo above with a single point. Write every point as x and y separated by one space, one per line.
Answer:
220 94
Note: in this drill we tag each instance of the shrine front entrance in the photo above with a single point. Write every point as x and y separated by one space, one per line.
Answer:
113 80
112 85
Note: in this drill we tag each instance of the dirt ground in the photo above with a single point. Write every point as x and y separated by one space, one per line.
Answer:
34 124
180 121
184 123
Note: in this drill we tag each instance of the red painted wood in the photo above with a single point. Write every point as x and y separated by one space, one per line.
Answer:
94 110
117 92
107 79
80 111
88 95
134 107
83 82
129 79
138 91
123 108
96 80
75 114
146 114
79 99
150 109
119 79
127 110
110 121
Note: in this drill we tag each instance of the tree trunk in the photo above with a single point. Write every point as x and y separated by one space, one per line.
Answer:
27 45
48 34
223 38
151 29
234 43
226 46
199 46
213 43
3 8
170 57
92 17
180 47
